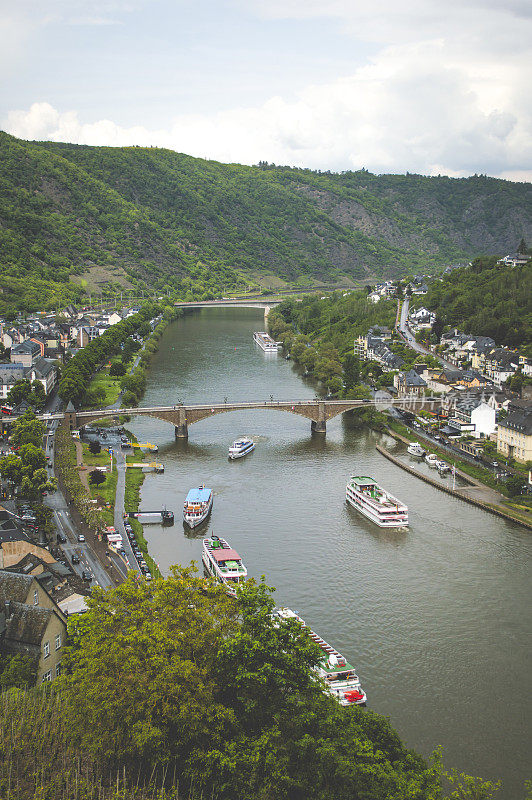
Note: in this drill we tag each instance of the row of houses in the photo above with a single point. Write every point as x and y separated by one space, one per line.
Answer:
481 352
37 344
373 346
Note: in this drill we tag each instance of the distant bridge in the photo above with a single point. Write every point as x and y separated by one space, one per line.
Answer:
267 305
182 416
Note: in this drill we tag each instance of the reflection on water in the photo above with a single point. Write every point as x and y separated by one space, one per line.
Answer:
435 618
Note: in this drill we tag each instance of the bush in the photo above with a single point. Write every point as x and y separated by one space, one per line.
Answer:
95 448
97 477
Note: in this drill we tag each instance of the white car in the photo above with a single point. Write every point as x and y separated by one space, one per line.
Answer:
81 537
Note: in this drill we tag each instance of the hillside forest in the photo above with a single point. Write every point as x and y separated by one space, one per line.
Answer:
77 219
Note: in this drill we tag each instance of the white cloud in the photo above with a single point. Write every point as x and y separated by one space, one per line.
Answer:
408 110
447 92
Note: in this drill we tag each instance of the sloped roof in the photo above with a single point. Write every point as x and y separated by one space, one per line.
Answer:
27 624
520 421
14 586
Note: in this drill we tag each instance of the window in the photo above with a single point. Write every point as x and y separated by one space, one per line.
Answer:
58 671
35 598
58 641
46 649
47 676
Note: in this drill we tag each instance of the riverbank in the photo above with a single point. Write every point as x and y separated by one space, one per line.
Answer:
134 478
468 472
492 509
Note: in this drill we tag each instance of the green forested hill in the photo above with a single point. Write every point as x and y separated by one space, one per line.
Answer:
160 219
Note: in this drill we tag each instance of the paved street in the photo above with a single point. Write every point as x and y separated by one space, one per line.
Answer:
410 338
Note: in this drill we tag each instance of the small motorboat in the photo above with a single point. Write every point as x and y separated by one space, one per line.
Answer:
241 448
416 450
432 460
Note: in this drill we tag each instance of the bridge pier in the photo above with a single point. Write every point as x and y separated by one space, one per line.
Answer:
318 427
181 429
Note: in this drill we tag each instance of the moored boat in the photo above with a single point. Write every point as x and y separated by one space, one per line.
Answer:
415 449
265 341
432 460
197 506
241 447
443 467
223 563
379 506
340 677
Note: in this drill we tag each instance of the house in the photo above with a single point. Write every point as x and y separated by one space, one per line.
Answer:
422 317
501 364
374 297
517 260
25 353
66 588
514 436
472 415
44 370
409 383
9 375
32 623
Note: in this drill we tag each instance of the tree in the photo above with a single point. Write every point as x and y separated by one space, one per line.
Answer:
522 249
27 430
97 477
515 485
351 365
95 447
220 691
18 670
117 369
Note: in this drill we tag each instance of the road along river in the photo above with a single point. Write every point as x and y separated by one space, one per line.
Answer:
436 619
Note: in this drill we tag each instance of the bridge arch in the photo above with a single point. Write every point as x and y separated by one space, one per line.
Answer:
181 416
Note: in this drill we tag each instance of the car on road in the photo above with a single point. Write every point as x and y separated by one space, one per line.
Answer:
75 559
86 575
81 537
61 538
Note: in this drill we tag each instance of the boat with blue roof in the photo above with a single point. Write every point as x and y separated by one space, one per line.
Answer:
197 506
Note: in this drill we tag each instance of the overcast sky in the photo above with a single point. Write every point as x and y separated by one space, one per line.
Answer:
429 86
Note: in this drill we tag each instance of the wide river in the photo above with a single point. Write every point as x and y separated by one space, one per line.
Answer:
436 619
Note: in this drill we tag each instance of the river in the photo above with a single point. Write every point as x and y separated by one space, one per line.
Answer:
436 619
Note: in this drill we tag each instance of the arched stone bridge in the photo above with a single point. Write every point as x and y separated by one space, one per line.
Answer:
182 416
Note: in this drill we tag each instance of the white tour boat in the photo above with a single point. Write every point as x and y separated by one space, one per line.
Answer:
223 563
432 460
415 449
375 503
340 677
197 506
241 448
265 341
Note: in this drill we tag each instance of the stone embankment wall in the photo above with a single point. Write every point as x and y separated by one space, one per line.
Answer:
449 490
